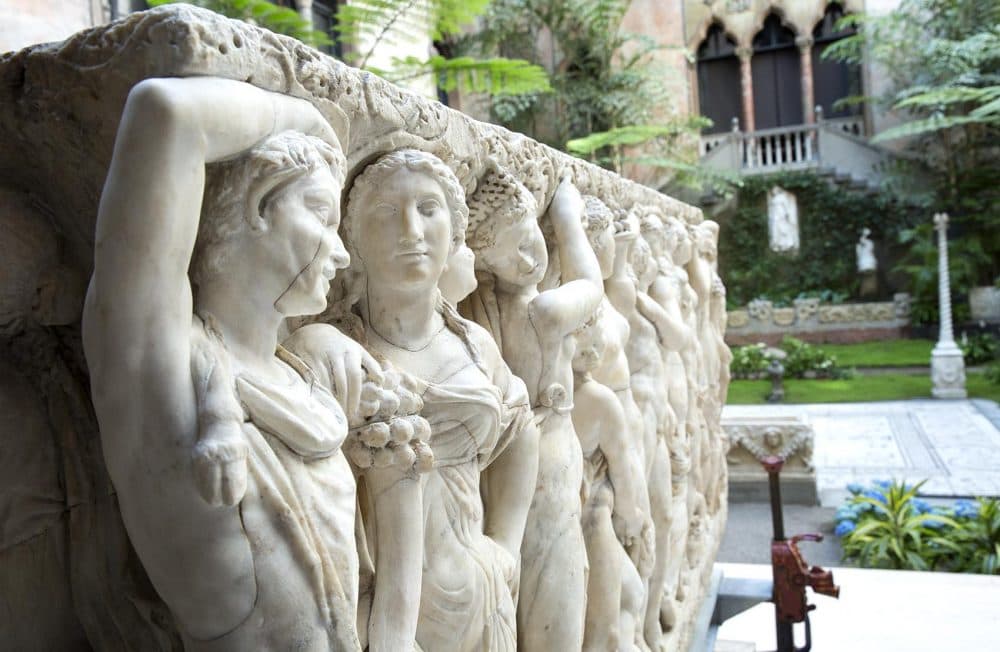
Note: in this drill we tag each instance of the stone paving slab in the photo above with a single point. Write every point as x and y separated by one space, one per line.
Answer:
879 610
953 445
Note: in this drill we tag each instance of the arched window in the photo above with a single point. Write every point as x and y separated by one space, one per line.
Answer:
834 80
718 80
777 82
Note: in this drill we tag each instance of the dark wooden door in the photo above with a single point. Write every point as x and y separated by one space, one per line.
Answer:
719 80
777 78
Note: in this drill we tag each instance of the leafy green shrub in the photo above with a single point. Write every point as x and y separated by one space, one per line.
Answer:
887 526
830 221
993 373
977 537
748 361
980 348
805 361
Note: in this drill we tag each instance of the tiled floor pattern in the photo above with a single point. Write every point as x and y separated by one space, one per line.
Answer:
953 445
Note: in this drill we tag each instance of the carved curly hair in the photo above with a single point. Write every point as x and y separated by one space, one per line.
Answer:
238 190
414 160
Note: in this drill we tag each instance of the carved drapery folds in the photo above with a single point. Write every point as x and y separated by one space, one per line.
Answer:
458 432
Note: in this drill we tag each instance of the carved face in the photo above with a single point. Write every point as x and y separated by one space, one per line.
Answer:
518 256
772 438
404 231
644 266
459 277
683 248
302 242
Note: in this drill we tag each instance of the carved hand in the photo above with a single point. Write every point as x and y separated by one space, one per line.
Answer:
340 362
567 203
220 464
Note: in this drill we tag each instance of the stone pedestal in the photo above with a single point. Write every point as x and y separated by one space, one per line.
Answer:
754 438
947 371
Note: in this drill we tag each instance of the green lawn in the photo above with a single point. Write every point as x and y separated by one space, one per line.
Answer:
889 387
894 353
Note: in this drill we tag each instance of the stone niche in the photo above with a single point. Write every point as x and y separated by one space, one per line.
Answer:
65 552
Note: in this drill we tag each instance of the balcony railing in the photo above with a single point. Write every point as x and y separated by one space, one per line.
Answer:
780 148
838 144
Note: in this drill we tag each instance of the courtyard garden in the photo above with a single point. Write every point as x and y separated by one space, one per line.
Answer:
870 371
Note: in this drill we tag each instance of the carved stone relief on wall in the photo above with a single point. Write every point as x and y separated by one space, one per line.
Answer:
364 373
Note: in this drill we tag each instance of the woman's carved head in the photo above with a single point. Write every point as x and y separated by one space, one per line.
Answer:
406 214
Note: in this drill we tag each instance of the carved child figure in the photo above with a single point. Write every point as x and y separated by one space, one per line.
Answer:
634 271
534 330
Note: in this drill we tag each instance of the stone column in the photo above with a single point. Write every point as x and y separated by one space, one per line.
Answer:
746 84
947 363
305 8
805 44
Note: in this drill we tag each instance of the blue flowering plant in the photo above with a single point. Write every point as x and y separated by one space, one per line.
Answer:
977 537
885 525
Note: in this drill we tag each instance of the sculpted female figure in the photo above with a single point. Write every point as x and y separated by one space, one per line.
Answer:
224 452
406 215
534 330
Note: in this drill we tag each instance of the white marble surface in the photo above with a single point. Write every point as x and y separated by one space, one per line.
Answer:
881 610
308 443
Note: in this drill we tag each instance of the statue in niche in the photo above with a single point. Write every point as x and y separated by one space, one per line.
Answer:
634 271
223 447
405 221
534 330
864 251
612 491
783 220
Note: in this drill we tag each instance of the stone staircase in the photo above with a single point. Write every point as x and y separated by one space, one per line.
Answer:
835 149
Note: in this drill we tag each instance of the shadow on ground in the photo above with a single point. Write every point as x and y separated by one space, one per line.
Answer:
749 531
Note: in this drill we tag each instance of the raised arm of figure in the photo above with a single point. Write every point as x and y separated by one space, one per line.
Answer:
620 287
631 507
137 336
565 308
148 219
672 333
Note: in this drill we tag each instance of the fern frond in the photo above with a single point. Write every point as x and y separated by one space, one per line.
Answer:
620 136
377 23
496 76
925 126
